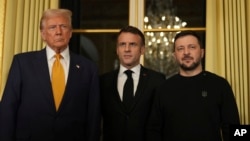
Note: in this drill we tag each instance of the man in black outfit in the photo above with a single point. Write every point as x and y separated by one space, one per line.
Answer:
125 112
193 105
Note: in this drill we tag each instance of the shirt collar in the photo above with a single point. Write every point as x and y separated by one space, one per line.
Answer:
136 69
50 53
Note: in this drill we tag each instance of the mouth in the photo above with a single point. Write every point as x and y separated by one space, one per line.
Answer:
187 58
127 55
59 40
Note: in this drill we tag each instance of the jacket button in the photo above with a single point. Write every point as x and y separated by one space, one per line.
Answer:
127 116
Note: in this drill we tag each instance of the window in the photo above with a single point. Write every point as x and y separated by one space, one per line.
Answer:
96 23
163 19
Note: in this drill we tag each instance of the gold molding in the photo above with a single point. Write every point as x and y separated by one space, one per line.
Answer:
175 29
145 30
96 30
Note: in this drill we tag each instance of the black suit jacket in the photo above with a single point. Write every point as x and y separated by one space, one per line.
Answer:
118 124
28 111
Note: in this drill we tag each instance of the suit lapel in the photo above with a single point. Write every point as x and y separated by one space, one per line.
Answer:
73 74
141 85
116 95
41 68
114 91
142 82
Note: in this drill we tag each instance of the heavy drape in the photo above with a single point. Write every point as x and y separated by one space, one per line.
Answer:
227 47
19 30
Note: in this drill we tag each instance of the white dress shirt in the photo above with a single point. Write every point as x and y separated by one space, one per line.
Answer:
122 77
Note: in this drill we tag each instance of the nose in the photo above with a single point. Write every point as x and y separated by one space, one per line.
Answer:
186 50
58 30
127 47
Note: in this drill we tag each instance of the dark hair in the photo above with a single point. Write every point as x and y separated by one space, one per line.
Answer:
133 30
186 33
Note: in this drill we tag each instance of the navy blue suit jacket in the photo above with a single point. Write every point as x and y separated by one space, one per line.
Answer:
27 108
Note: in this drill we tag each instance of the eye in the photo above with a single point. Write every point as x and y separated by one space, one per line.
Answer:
52 27
180 48
121 44
64 26
133 44
192 47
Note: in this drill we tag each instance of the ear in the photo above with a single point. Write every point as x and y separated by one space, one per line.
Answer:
202 52
174 55
70 33
117 52
142 50
43 35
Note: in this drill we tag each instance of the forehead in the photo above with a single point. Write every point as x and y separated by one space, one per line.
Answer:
128 37
187 39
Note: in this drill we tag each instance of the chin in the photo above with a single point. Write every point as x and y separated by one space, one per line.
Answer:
190 67
128 64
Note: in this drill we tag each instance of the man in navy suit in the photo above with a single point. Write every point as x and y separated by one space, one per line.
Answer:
121 121
28 110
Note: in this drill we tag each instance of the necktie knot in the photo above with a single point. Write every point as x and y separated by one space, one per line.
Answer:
58 56
128 73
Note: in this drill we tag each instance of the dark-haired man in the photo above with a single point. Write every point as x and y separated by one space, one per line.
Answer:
125 113
193 105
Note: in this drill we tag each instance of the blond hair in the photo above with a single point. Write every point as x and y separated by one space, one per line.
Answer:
55 12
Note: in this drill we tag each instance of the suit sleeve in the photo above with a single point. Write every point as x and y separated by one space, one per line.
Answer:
10 103
94 113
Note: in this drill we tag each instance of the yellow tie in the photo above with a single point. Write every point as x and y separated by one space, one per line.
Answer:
58 80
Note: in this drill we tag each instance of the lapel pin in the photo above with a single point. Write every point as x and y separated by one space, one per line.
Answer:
78 66
204 93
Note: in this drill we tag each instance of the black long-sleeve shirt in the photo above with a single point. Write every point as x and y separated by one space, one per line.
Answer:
197 108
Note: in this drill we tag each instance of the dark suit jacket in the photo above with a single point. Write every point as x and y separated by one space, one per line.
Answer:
122 125
27 108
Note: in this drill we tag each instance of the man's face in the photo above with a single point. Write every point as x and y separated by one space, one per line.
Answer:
129 49
188 53
56 32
